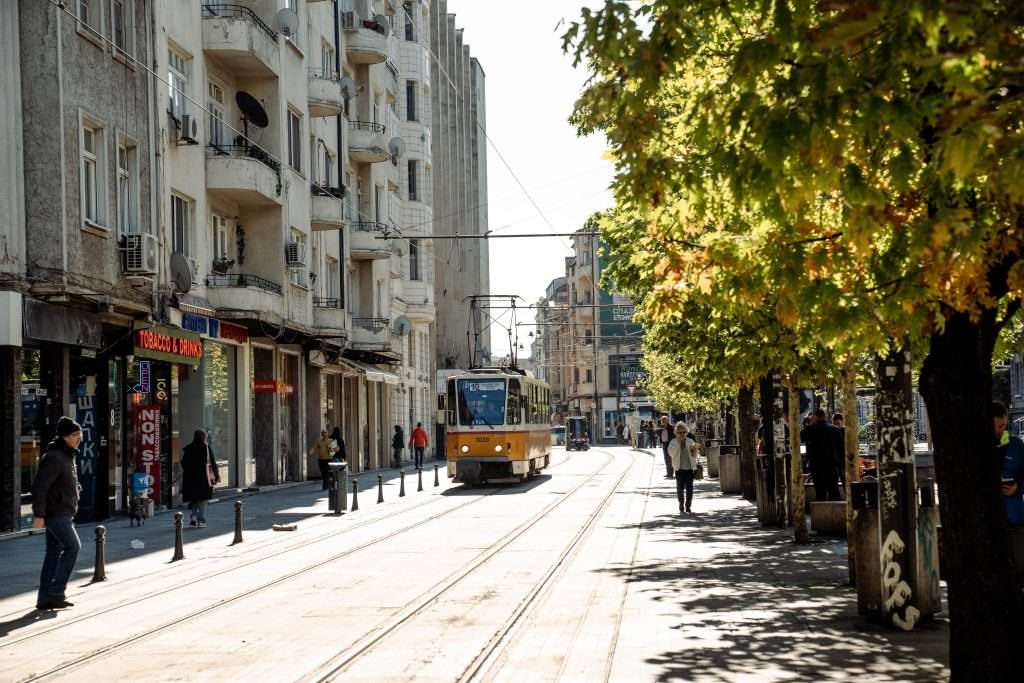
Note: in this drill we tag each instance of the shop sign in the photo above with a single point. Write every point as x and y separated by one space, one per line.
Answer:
213 328
168 343
272 386
196 323
147 447
235 333
88 449
145 371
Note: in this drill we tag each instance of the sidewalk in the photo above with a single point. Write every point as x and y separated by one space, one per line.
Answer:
304 503
715 596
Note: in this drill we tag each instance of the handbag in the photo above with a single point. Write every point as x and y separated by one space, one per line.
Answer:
699 472
211 474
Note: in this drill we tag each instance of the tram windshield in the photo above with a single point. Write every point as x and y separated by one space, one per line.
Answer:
481 402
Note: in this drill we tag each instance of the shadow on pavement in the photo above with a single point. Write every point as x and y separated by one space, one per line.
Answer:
751 605
29 618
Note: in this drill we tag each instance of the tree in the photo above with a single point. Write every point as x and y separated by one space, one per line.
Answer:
865 160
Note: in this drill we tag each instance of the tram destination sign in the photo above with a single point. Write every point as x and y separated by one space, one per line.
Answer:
167 343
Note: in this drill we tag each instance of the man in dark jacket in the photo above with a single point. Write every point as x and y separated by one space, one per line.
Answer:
54 504
820 438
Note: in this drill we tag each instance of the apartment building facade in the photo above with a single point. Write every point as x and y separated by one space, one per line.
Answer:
232 246
550 349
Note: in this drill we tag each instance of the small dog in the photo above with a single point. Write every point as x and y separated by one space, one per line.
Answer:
139 507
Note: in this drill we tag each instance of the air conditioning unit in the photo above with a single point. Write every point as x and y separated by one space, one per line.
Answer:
189 129
295 254
193 265
140 255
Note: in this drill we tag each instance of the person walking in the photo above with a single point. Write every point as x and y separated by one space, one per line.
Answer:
337 446
820 438
55 493
1010 450
683 451
199 474
397 444
418 442
322 448
626 434
666 435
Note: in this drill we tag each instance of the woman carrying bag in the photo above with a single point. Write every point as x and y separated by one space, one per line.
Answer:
199 475
683 451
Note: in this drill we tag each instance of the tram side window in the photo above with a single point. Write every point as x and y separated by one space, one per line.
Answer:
515 397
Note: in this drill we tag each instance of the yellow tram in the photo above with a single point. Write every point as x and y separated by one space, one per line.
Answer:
498 425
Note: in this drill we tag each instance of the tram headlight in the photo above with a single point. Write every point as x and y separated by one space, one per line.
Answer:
497 448
465 448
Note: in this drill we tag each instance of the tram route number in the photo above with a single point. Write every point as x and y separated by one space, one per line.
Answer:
483 439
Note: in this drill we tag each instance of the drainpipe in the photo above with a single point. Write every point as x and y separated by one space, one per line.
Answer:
155 156
63 164
342 266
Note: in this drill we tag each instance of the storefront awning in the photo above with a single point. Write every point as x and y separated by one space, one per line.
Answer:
372 373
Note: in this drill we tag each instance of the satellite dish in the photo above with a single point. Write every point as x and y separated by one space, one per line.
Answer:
252 111
287 22
181 272
382 21
348 87
396 147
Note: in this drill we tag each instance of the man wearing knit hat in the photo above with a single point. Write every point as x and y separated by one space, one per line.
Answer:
54 504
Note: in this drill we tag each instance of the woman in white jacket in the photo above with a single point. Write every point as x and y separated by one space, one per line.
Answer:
683 451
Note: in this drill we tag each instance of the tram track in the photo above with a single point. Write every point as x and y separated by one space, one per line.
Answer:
337 664
92 655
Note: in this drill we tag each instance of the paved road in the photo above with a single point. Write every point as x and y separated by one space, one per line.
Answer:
584 573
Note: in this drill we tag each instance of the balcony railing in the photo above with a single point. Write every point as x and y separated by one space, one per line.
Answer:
326 302
243 280
318 190
371 324
246 152
369 226
368 126
211 9
325 73
350 21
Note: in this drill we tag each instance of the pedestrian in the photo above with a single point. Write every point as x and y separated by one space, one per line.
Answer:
683 451
618 431
1010 449
839 447
652 437
665 435
322 448
418 441
337 446
54 505
397 444
820 438
198 477
625 435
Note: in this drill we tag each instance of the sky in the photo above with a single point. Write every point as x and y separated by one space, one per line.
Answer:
531 87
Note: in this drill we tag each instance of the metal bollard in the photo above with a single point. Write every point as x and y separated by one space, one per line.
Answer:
380 489
100 572
355 495
419 479
401 485
238 522
437 482
179 544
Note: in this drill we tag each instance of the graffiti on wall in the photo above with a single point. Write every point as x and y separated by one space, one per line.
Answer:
896 592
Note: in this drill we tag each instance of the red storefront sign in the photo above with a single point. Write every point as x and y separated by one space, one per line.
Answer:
234 333
272 386
147 446
168 343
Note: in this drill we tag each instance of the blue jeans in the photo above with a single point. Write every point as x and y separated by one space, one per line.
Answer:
62 546
419 456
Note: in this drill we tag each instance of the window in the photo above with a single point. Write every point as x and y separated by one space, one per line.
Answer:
414 259
127 187
410 101
410 29
215 103
89 16
177 83
413 189
590 375
333 278
515 402
181 224
326 57
220 237
378 207
295 141
92 173
120 26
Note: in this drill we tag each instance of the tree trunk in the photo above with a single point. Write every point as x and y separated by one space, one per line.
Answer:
848 394
747 440
796 470
985 611
897 488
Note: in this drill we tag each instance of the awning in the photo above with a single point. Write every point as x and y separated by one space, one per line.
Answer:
373 374
190 303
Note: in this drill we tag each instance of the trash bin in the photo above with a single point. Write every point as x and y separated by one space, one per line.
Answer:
338 493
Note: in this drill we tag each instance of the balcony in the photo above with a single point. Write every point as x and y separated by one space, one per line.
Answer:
393 175
242 42
244 174
365 243
367 142
329 316
242 292
366 41
327 210
370 334
325 96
